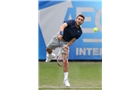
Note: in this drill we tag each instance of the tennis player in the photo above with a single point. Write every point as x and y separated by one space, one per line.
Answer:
69 31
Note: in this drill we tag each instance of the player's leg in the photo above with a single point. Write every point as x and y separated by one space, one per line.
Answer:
49 55
49 51
66 66
51 45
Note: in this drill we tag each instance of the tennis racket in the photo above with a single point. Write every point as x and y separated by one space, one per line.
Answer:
59 55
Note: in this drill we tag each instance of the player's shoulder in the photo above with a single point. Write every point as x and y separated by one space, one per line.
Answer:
70 22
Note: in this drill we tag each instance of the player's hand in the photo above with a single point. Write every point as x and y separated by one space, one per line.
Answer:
60 37
65 46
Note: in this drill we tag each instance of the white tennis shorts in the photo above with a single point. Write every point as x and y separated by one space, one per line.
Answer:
53 44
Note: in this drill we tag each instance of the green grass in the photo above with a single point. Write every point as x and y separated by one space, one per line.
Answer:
81 75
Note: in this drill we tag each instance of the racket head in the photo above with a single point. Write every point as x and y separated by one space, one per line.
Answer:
59 57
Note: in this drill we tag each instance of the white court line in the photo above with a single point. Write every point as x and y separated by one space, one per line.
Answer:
56 87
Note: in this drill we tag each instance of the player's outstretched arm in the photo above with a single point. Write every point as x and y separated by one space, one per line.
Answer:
71 42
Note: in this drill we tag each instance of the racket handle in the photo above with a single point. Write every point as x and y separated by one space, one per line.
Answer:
59 44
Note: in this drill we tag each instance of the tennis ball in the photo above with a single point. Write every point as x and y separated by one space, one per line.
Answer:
95 29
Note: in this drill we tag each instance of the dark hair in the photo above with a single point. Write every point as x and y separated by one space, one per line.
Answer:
80 15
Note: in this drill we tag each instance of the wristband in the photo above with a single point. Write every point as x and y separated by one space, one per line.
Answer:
61 32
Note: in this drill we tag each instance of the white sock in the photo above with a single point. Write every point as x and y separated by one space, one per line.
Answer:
66 75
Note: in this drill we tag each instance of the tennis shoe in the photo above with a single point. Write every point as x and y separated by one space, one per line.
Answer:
66 82
50 57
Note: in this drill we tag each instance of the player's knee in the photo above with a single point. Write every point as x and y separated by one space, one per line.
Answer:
65 61
65 57
48 50
66 51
